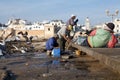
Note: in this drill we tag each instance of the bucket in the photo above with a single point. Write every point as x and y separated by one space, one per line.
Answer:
1 52
56 52
77 52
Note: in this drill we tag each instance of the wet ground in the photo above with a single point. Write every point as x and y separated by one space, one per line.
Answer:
39 66
36 65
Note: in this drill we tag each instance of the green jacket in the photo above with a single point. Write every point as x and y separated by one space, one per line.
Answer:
100 39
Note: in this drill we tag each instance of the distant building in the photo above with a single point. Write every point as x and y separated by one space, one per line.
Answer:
49 31
57 23
19 24
117 25
87 24
39 29
2 26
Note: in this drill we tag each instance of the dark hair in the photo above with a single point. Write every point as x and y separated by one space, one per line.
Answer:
110 26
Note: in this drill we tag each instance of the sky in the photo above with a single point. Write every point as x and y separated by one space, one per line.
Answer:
40 10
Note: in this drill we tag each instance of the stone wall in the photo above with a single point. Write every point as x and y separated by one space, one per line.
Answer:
37 34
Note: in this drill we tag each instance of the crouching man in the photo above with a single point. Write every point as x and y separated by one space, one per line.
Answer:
51 44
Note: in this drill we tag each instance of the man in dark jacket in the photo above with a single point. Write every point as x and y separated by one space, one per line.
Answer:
51 43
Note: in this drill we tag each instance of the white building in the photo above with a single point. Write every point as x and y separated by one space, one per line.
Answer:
19 24
57 23
117 25
39 29
35 26
87 24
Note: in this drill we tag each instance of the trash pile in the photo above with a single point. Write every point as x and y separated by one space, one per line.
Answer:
19 46
79 37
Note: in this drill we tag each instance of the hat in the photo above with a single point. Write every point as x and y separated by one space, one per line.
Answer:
72 15
110 26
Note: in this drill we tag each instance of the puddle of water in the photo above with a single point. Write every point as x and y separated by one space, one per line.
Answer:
41 55
48 63
2 57
15 63
52 64
57 65
55 62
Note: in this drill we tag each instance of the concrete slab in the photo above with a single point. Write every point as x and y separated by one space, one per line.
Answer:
107 56
111 52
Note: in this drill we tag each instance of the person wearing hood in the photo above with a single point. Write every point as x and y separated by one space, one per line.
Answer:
100 38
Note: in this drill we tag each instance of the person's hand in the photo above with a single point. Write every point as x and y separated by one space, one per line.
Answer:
68 40
76 21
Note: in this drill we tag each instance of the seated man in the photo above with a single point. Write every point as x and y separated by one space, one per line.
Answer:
99 38
51 43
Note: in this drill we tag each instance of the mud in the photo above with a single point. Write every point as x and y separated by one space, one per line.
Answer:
34 65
